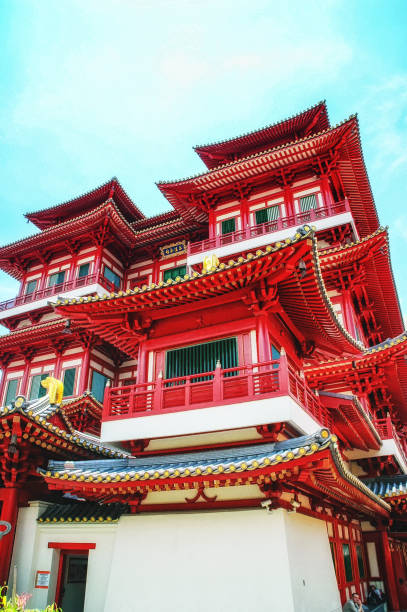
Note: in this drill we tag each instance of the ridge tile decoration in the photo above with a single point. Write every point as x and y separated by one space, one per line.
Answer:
234 378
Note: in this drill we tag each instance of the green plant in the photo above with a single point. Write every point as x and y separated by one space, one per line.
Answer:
17 603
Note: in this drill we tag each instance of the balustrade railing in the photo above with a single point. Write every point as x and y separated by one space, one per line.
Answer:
47 292
222 386
387 431
281 223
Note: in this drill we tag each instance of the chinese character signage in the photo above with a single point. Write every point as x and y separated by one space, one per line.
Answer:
176 248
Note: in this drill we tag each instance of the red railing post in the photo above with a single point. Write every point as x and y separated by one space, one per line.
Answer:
217 383
284 385
107 402
158 392
250 381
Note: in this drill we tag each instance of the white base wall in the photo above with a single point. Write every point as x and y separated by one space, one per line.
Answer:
240 560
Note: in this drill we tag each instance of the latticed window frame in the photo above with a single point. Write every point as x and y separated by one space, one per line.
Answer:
225 350
70 383
308 202
172 273
267 214
228 226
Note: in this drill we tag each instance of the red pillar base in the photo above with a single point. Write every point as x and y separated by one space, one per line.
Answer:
9 509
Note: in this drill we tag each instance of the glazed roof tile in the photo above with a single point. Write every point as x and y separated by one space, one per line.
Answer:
388 486
43 218
180 464
40 410
310 296
351 165
317 115
83 512
253 156
374 252
204 463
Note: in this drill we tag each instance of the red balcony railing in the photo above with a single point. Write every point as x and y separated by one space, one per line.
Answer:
46 292
229 386
269 227
387 431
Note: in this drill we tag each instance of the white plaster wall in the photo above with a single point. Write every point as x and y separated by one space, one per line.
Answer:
240 560
31 553
312 572
244 560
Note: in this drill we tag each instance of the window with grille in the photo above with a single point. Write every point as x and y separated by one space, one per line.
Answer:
69 381
308 202
112 276
37 390
83 270
361 565
228 226
264 215
99 382
347 562
11 391
174 272
30 287
201 358
56 279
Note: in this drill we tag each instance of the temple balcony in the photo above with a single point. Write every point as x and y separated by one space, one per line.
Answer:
257 236
77 287
392 445
225 399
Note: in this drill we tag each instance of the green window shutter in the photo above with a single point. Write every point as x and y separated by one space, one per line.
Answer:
11 391
347 562
37 390
69 381
56 279
201 358
83 270
112 277
264 215
99 382
30 287
308 202
361 565
174 272
228 226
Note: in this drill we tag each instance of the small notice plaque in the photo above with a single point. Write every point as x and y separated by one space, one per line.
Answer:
176 248
42 580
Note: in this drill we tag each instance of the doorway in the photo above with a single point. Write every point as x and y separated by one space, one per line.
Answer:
71 585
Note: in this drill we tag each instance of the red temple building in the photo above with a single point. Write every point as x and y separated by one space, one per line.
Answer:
232 434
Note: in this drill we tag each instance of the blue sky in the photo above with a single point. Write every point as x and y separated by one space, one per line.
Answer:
92 89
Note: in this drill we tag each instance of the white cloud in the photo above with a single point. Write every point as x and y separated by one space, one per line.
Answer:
386 106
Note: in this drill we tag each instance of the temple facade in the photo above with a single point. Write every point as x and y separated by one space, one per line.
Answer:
232 431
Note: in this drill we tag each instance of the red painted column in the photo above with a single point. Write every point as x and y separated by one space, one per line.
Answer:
212 227
244 212
98 262
155 277
58 365
2 386
390 579
84 379
9 509
42 282
326 191
263 340
24 380
72 269
288 201
142 364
